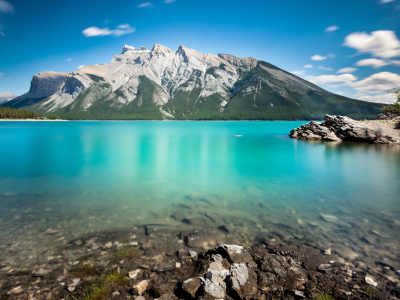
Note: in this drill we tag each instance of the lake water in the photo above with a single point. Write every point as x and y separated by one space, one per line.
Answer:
85 177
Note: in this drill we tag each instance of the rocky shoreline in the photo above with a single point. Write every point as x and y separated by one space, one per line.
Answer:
125 265
341 128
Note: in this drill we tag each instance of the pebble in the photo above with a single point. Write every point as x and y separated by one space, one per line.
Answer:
370 281
75 263
133 244
324 267
108 245
299 293
141 287
134 274
329 218
328 251
115 293
16 290
300 221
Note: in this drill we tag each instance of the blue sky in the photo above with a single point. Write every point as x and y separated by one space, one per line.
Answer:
347 47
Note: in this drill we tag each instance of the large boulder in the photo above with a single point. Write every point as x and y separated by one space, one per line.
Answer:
338 128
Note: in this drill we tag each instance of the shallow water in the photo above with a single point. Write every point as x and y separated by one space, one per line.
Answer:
83 177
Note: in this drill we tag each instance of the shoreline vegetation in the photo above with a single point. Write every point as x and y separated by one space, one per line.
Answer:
13 114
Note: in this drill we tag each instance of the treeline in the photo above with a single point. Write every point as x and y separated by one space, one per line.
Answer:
12 113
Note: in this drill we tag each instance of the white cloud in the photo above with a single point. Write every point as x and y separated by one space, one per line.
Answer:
386 1
373 62
347 70
6 7
300 72
80 67
169 1
69 59
333 85
325 68
308 66
331 55
323 79
381 98
2 33
376 84
120 30
146 4
394 62
318 57
1 75
332 28
341 93
381 43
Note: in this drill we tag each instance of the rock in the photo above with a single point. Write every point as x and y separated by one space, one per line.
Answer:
41 273
195 239
191 286
147 245
140 298
141 287
15 291
94 246
361 265
182 253
108 245
193 254
388 116
115 293
164 266
329 218
328 251
371 281
236 254
336 128
324 267
161 289
170 296
299 293
196 220
242 280
212 291
134 274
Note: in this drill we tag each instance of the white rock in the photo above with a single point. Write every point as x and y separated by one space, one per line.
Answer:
134 274
371 281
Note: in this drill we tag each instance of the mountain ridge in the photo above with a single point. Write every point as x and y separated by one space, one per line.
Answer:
7 96
184 84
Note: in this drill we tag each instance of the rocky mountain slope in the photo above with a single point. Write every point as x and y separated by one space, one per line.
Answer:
184 84
5 97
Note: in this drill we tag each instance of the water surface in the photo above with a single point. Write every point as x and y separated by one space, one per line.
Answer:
83 177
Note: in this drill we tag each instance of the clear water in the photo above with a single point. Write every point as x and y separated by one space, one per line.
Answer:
82 177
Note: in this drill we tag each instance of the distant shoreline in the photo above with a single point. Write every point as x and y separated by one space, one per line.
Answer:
28 120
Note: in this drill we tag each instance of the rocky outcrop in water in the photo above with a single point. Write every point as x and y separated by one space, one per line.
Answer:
388 116
341 128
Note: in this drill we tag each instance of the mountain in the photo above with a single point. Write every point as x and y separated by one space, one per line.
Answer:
5 97
184 85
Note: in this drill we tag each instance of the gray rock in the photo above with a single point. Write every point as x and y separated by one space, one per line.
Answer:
337 128
164 266
324 267
41 273
236 254
212 291
242 280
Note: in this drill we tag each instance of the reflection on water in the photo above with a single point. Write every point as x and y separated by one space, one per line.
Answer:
82 177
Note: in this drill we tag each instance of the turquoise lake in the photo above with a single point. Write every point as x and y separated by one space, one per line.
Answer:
83 177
